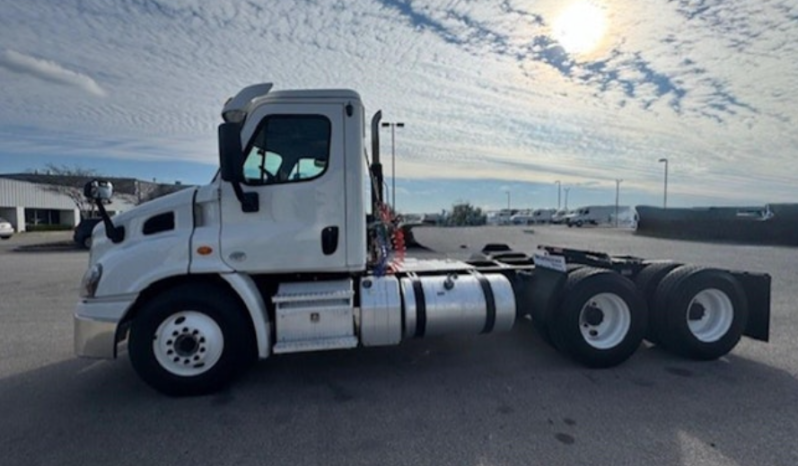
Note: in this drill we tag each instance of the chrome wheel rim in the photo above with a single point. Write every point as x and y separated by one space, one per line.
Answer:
188 343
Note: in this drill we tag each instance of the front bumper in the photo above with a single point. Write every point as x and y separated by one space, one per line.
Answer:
96 323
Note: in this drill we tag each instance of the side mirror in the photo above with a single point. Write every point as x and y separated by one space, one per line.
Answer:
231 155
98 190
231 163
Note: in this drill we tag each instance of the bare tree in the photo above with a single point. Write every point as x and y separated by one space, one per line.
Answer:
69 181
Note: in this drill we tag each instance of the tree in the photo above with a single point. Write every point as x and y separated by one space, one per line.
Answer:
464 214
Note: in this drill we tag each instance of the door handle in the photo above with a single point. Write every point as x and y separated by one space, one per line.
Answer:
329 240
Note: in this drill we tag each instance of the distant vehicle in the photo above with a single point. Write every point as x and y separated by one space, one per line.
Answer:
6 229
558 217
593 215
501 217
522 219
543 215
82 233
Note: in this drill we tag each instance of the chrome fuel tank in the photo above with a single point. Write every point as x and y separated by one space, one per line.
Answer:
465 303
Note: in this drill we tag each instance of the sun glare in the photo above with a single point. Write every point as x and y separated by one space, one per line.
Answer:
580 27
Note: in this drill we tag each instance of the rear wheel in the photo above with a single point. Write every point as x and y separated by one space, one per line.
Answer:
191 341
602 318
702 312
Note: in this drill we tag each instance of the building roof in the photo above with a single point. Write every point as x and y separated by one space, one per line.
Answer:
143 190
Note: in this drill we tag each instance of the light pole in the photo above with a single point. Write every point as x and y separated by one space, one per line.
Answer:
566 197
393 126
559 189
617 196
508 199
665 195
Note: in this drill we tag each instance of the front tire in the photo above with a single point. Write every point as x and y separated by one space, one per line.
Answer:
602 319
191 341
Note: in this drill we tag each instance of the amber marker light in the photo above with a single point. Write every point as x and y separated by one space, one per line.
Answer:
204 250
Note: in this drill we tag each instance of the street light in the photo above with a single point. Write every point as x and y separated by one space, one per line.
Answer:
508 199
617 196
566 197
393 126
559 188
665 195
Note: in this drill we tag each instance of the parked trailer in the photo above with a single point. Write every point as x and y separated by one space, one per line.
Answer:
277 255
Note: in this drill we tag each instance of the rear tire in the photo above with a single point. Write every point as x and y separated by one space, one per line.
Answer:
191 341
545 307
647 281
601 320
702 312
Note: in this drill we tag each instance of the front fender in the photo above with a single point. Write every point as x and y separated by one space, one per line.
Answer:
246 289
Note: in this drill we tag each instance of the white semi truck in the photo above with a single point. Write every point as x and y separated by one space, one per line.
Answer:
278 254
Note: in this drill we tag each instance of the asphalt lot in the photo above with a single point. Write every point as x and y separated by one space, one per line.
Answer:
502 399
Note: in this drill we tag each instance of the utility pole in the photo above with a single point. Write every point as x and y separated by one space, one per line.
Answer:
617 197
393 126
665 195
559 189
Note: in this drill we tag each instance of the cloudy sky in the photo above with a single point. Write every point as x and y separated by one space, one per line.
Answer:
500 98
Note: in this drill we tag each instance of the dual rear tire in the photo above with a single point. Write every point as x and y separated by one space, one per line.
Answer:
601 319
698 312
695 312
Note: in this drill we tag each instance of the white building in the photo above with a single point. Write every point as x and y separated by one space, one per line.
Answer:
24 203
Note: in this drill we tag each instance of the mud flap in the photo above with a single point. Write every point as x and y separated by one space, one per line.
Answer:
757 290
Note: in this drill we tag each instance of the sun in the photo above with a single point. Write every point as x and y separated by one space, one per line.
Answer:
580 27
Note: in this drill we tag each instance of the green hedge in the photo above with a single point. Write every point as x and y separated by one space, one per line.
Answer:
48 227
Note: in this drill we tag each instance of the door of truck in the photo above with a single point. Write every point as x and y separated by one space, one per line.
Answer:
295 163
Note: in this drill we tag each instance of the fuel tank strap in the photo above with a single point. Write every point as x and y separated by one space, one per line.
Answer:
490 303
421 308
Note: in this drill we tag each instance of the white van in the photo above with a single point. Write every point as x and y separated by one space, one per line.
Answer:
591 215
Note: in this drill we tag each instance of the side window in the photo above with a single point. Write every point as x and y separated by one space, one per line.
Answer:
288 148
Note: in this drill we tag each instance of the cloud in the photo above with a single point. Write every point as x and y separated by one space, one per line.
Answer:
49 71
484 89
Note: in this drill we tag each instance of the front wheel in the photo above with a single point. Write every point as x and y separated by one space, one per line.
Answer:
191 341
602 319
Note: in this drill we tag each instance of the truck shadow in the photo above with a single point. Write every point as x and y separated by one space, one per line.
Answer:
505 399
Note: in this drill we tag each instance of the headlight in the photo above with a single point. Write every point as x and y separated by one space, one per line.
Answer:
88 286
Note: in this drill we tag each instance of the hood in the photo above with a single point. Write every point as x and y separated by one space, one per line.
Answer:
177 199
179 203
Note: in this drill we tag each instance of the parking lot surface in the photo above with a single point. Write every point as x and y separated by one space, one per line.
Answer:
500 399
